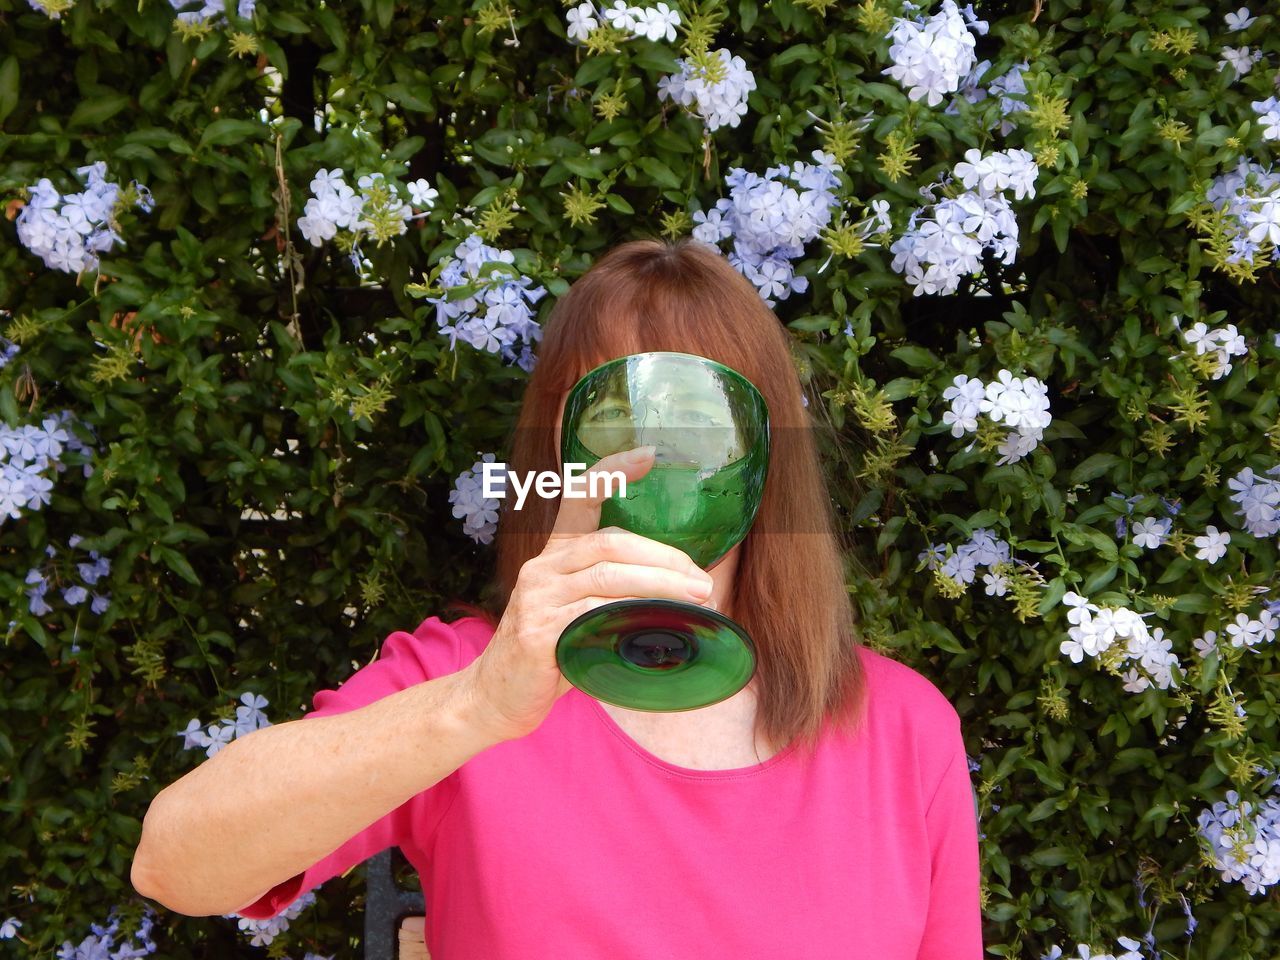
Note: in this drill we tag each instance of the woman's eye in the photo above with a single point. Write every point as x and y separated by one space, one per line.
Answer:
703 419
608 414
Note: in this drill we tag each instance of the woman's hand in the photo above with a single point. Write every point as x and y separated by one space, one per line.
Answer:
516 681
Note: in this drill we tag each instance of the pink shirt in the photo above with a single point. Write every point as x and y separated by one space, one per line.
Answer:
575 841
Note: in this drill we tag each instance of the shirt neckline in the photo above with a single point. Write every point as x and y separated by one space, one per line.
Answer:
690 773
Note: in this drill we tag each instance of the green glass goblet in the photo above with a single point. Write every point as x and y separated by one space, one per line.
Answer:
709 427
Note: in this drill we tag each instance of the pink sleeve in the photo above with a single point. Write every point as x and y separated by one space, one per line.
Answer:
953 925
431 651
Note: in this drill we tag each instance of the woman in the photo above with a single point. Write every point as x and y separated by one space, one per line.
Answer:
824 811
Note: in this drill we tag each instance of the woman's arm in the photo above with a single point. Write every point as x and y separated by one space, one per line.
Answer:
270 804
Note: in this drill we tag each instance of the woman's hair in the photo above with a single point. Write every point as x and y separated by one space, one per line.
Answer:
789 592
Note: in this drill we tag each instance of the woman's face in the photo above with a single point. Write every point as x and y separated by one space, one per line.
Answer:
682 409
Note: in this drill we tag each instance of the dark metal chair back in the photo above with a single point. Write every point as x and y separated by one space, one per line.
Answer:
386 905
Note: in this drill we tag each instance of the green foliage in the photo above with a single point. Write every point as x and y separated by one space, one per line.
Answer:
277 431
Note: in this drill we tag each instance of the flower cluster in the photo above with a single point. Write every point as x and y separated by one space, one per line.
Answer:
770 219
932 54
377 210
1258 501
983 549
262 932
68 232
718 100
934 254
1021 403
1249 197
249 717
1085 952
210 10
100 943
1225 342
1245 632
487 304
73 593
1240 59
1095 631
1245 845
656 23
478 513
28 452
1006 86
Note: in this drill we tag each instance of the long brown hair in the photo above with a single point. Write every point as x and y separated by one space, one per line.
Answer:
789 592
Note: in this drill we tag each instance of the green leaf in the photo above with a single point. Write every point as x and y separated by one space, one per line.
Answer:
288 22
97 110
8 86
177 563
584 166
801 52
654 57
1093 467
594 69
222 133
618 203
659 171
918 358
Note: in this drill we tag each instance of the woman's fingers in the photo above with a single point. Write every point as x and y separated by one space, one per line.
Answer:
619 546
609 578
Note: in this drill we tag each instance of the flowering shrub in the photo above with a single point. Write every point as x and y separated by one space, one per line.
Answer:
273 281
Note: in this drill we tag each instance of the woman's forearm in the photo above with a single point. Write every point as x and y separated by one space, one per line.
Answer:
269 805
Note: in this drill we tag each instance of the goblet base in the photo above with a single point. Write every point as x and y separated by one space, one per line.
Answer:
656 655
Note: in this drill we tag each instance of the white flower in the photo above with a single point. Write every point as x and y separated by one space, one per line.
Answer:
250 717
1212 545
1198 336
193 735
996 583
1239 20
1244 631
880 211
219 737
1207 644
1239 59
1135 682
1072 648
1269 114
623 16
1151 532
421 191
582 21
658 22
